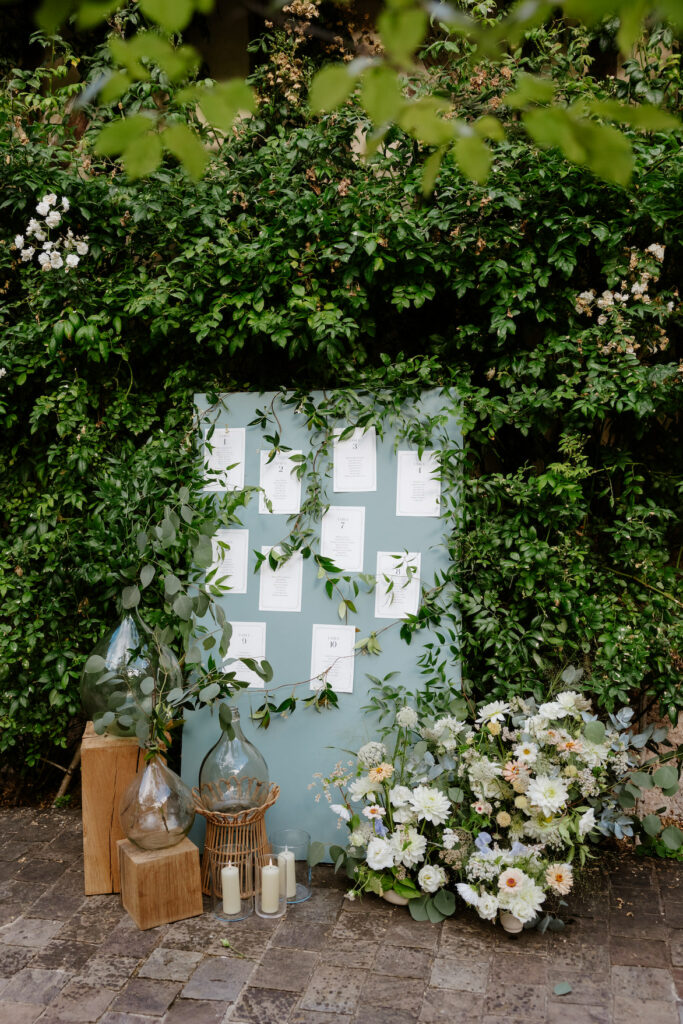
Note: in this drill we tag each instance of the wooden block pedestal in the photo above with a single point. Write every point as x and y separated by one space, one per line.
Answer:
108 764
158 886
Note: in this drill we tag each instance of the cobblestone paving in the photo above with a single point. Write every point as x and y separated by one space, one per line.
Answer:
66 958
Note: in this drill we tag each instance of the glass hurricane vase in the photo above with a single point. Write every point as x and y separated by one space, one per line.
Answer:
157 809
227 767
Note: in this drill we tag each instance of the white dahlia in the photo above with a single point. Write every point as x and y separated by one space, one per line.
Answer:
430 804
548 794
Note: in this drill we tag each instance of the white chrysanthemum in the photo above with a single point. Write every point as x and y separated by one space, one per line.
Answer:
372 753
53 218
406 718
43 209
342 812
553 709
487 906
560 878
548 794
19 241
409 847
65 204
72 260
493 712
362 787
81 248
430 804
56 261
467 893
379 854
527 752
400 796
431 878
50 199
27 253
449 838
586 822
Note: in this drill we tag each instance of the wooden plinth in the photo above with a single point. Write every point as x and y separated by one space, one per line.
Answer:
108 765
158 886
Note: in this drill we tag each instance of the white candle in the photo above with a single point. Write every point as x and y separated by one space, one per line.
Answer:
270 888
230 884
287 865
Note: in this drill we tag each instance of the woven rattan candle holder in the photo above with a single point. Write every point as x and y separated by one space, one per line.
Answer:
234 838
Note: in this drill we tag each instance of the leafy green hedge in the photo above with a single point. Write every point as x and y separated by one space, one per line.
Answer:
294 262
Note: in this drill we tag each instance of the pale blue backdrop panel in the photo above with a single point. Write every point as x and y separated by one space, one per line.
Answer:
308 741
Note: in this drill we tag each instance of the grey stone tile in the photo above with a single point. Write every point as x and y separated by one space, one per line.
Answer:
357 928
346 953
107 971
371 1014
144 996
527 1002
114 1017
29 931
170 964
35 985
577 1014
624 952
196 1011
401 930
40 871
677 949
333 990
324 905
12 849
401 994
302 933
219 978
644 1011
56 906
19 1013
127 939
77 1003
65 953
13 958
403 962
313 1017
569 956
453 974
642 983
592 989
506 967
443 1005
287 970
263 1006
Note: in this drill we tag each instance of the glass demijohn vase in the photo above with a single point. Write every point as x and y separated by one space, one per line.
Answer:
227 767
157 809
126 668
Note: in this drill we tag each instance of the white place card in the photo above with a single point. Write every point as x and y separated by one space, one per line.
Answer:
234 562
342 536
418 487
248 640
398 589
224 452
280 589
279 484
355 461
332 657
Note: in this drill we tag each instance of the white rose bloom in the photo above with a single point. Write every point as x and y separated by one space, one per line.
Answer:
431 878
553 709
362 787
39 235
573 701
26 254
43 209
50 199
65 204
44 260
53 218
493 712
379 854
338 809
19 241
56 261
371 753
81 248
586 822
400 796
72 260
33 226
47 246
430 804
487 906
408 846
593 754
548 794
406 717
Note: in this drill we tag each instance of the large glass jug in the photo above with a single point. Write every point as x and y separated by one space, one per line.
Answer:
226 769
157 809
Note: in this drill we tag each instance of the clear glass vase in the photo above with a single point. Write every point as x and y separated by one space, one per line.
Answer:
127 669
157 809
226 769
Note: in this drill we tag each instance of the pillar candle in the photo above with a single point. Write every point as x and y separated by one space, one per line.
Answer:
287 865
270 888
230 884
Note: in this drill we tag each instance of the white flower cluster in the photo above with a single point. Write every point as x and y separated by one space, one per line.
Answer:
65 251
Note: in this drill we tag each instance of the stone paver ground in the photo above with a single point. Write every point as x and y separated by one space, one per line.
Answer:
66 958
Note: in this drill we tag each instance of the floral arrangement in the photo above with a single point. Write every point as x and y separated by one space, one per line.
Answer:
495 803
64 251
